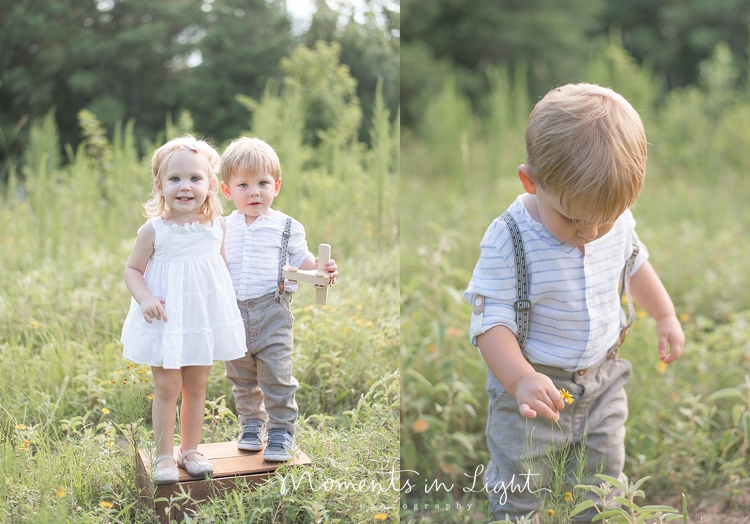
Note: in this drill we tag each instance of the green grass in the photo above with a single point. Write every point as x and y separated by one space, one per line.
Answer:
693 217
72 409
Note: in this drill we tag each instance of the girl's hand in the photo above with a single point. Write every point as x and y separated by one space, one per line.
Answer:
152 308
536 393
670 334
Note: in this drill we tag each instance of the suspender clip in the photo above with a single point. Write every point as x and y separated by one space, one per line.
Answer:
522 305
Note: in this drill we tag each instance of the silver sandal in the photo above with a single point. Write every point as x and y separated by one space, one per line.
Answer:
165 475
195 468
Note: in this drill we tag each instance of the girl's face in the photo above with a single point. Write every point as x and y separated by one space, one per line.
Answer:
185 184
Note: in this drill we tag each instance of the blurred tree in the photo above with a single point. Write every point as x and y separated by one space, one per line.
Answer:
106 56
241 43
548 35
675 36
370 46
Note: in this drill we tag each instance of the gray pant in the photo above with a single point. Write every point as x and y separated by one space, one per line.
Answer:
599 412
262 381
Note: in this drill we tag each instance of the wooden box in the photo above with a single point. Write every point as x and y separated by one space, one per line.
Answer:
230 464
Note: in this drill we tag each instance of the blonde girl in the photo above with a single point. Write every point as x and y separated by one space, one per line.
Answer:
183 314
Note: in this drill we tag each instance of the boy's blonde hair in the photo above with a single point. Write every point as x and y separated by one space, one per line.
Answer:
212 207
251 156
586 143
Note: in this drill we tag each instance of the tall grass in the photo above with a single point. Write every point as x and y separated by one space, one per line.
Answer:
72 409
692 215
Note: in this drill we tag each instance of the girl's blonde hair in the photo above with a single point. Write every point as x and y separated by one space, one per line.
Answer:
212 207
587 143
250 156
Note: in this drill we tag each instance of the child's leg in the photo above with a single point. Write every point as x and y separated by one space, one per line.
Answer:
167 386
274 363
243 372
193 405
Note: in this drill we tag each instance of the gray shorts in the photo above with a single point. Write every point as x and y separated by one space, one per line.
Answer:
262 381
599 412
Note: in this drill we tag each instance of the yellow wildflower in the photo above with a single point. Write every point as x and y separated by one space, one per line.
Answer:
142 371
21 427
550 513
34 324
684 317
105 411
381 516
661 367
568 496
151 396
566 396
60 493
24 446
106 504
420 425
118 371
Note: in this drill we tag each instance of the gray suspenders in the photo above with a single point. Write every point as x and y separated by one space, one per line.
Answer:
284 254
522 305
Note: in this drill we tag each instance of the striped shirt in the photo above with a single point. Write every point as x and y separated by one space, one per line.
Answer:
253 253
575 315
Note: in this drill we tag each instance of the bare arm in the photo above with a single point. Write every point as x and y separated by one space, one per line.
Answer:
135 268
649 293
534 391
223 237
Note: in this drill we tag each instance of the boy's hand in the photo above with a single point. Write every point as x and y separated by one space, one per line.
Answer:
330 268
670 334
536 393
151 308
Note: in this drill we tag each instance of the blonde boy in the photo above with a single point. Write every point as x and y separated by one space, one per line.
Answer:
585 166
259 241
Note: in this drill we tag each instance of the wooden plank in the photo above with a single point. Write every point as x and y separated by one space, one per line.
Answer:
230 464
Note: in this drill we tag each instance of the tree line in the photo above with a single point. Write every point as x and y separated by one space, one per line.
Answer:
140 60
549 42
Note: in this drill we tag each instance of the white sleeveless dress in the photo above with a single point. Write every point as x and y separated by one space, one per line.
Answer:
188 273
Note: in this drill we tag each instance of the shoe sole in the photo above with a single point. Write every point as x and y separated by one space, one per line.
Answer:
277 458
250 447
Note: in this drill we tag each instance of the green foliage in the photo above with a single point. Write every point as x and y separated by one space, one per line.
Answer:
692 215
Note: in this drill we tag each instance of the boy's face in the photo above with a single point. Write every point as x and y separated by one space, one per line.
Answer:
252 194
571 224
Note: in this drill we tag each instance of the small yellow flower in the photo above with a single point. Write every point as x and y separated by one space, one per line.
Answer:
130 366
60 493
124 381
106 504
566 396
381 516
142 371
640 314
118 371
359 307
568 496
326 307
24 446
105 411
110 443
21 427
34 324
145 381
550 512
420 425
347 329
684 317
151 396
661 367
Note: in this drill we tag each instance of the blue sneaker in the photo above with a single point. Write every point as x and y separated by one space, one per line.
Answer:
280 446
253 435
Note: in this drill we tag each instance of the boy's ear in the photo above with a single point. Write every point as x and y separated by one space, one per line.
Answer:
225 190
525 176
277 187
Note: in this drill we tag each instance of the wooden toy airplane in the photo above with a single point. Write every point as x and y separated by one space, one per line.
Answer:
318 278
